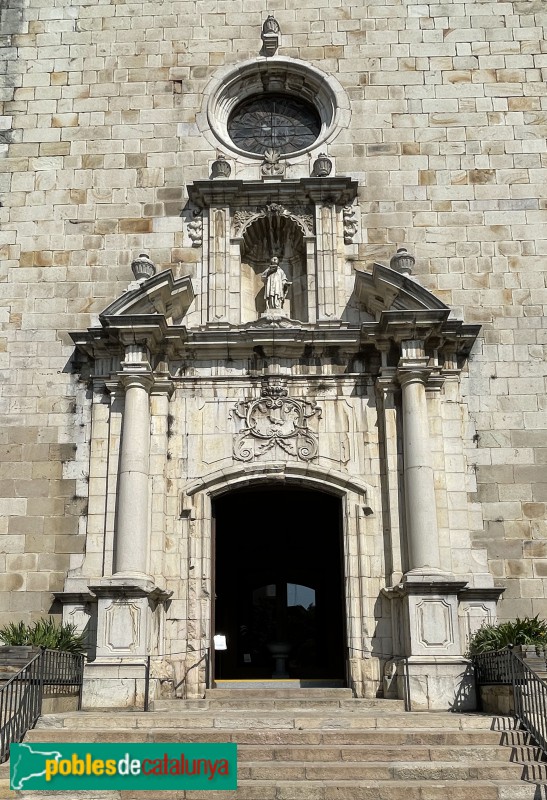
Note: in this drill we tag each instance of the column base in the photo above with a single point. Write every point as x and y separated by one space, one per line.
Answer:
436 684
115 684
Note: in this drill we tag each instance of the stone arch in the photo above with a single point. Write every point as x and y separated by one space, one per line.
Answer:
310 475
353 495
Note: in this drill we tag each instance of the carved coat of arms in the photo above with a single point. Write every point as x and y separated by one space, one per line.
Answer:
275 419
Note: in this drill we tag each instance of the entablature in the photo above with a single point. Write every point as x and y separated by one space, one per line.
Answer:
238 193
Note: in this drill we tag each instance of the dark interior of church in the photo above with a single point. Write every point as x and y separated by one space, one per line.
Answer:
279 584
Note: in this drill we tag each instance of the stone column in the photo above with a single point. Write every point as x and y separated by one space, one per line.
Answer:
386 387
432 673
420 505
131 540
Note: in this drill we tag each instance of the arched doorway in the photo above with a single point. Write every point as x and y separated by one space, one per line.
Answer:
279 582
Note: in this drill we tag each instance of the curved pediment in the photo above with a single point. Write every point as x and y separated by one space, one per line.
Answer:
162 295
385 289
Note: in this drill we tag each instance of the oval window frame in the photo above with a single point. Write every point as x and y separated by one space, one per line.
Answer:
281 75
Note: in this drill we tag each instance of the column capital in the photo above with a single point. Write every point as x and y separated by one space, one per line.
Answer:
387 382
406 375
163 386
142 380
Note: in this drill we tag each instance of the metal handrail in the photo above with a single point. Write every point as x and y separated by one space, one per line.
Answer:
529 689
21 696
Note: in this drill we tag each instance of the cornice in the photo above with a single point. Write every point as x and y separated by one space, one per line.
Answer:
226 193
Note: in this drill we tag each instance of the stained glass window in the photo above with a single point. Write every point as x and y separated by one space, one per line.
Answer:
274 121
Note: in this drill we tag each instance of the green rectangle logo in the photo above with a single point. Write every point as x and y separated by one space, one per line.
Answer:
71 766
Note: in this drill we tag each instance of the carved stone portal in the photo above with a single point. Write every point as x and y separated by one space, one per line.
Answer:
276 419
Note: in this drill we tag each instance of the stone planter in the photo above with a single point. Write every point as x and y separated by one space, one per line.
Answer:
13 658
534 656
17 655
496 699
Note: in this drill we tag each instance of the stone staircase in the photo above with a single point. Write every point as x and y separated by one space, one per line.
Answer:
322 744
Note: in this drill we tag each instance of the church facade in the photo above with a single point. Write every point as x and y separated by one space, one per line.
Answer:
273 368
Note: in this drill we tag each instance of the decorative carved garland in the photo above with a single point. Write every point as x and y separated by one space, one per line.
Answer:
301 215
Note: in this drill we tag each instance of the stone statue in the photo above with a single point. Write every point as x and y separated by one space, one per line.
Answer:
277 285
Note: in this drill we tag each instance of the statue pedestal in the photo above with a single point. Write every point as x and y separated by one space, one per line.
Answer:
274 313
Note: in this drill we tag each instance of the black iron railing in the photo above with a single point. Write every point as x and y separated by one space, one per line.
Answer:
51 671
529 690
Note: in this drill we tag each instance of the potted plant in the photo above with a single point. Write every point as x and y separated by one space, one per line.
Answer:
530 633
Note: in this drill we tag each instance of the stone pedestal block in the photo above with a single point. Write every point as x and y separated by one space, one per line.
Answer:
115 683
433 675
129 622
435 683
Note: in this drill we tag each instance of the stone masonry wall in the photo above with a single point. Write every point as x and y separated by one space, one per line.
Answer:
447 138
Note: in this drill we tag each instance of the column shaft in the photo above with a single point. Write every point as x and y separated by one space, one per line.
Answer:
421 508
131 541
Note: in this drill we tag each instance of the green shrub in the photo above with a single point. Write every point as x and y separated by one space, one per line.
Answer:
46 633
530 631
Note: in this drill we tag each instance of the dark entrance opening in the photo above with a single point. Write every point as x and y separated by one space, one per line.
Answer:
278 584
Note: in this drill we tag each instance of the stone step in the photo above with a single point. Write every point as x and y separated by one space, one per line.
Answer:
5 792
331 752
535 772
281 771
270 737
269 703
526 753
332 790
372 790
351 753
373 752
284 684
247 689
515 737
245 719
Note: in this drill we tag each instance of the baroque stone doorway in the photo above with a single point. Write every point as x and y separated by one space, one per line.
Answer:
279 581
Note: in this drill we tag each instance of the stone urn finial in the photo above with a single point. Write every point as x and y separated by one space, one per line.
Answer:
271 25
221 167
143 268
270 35
402 261
322 166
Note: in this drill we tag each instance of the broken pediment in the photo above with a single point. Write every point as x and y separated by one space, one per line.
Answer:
385 289
150 312
162 294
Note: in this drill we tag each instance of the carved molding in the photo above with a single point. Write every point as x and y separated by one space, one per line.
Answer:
195 230
122 623
301 215
275 420
434 621
272 166
349 218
